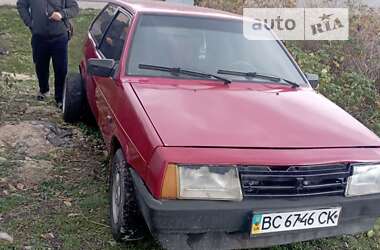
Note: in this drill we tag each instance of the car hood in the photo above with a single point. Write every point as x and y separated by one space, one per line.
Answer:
236 116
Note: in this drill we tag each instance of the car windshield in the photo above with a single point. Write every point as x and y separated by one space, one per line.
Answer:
205 45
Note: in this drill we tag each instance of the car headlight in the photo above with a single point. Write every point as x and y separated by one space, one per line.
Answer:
202 182
365 180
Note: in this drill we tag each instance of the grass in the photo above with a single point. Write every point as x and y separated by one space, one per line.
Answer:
70 210
72 205
17 39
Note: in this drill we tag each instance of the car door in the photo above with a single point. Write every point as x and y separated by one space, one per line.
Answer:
107 89
91 48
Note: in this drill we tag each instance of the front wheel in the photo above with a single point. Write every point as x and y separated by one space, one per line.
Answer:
73 98
126 220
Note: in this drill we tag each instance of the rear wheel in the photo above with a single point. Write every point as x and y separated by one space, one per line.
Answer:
74 98
126 220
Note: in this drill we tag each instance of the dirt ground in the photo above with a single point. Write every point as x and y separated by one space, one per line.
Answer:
53 176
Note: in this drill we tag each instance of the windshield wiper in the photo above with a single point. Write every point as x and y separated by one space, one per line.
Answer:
183 71
258 75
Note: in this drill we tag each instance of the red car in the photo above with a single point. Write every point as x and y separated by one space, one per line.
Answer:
216 141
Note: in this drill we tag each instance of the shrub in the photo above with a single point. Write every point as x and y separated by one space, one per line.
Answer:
236 6
349 70
351 90
357 94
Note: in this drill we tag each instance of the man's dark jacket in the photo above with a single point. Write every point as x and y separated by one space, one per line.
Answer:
35 14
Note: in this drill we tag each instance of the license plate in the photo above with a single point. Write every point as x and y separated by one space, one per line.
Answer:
278 222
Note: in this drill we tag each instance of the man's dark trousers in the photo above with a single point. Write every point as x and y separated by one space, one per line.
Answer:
51 48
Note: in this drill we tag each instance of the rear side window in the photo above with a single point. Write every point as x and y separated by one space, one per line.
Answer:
114 39
101 23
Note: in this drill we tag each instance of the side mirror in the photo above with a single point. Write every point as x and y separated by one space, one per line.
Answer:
313 80
101 67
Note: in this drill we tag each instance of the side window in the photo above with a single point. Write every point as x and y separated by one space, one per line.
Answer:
113 41
101 23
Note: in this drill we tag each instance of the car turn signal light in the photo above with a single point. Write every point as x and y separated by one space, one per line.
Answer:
170 184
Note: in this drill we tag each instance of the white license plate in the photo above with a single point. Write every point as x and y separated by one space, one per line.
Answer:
289 221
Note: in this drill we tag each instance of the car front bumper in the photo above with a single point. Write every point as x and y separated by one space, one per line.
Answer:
189 224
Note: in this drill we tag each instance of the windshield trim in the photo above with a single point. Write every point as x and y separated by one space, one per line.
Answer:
305 82
254 82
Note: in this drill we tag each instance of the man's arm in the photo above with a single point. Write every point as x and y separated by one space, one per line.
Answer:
23 8
71 9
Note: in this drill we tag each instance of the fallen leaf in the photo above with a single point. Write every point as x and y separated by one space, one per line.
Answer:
73 215
11 187
370 234
20 186
112 243
67 203
48 236
5 237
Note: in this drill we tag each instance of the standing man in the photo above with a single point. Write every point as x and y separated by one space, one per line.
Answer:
48 20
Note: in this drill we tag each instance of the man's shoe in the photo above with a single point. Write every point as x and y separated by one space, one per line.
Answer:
41 96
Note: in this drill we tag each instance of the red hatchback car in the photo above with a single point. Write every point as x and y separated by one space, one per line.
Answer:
216 141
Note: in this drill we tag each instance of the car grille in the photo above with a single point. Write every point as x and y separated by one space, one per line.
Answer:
295 181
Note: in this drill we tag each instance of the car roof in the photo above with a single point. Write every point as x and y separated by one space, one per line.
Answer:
160 7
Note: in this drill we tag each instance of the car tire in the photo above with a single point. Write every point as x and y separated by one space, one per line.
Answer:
73 98
126 220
